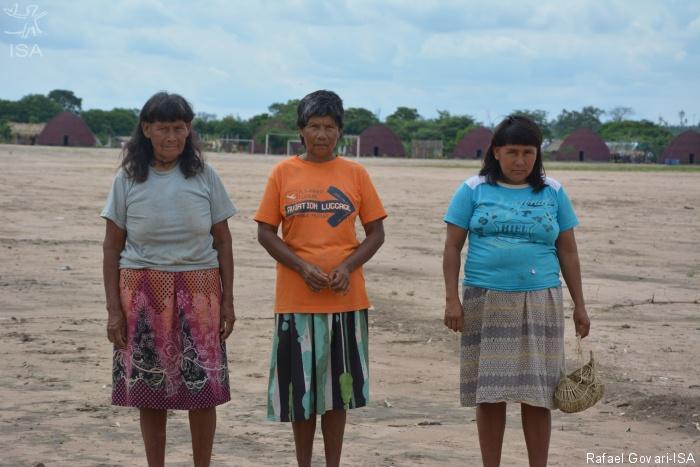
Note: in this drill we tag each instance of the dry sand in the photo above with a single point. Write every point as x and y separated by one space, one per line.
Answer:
638 241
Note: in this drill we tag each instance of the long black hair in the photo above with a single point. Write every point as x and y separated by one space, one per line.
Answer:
138 152
515 129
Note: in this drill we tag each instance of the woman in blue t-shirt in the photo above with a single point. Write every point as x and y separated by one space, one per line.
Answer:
521 234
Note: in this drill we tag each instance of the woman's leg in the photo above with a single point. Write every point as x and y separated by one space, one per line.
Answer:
537 426
333 427
491 423
202 427
304 432
153 423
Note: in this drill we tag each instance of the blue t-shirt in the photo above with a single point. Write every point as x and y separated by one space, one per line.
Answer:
512 233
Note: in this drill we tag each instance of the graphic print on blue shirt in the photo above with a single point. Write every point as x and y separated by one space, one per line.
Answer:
527 220
512 233
340 207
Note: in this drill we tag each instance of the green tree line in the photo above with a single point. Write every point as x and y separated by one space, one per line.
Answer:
406 122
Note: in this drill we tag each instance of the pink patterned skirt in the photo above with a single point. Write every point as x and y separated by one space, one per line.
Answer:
174 358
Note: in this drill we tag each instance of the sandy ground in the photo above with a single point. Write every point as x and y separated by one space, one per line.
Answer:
638 241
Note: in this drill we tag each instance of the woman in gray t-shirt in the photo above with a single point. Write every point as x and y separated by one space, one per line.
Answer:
168 276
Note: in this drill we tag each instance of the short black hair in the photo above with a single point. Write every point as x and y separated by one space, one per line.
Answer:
515 129
320 104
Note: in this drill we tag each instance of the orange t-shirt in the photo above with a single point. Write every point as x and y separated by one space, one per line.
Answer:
317 204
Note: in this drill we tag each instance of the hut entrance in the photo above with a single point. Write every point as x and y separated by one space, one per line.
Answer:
478 154
65 140
375 151
691 159
580 156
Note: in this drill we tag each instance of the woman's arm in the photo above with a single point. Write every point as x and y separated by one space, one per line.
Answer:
314 277
451 262
222 245
374 238
112 247
571 270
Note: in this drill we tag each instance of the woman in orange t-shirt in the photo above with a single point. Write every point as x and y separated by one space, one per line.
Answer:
319 359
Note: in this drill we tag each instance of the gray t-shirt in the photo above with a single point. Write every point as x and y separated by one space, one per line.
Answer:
168 218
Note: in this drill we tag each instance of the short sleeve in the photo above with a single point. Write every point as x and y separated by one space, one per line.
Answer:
371 208
115 207
459 212
269 209
220 204
566 217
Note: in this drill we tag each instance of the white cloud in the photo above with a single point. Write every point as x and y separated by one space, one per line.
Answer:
237 57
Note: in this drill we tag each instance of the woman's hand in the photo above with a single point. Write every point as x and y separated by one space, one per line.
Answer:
339 279
581 321
116 326
227 319
454 315
314 277
115 239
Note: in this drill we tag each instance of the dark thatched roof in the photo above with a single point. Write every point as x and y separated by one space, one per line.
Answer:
583 145
66 129
682 147
380 140
473 144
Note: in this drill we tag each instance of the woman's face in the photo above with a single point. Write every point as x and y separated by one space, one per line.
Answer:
320 137
516 162
167 138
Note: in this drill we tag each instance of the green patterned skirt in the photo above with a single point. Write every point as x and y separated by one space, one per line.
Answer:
319 362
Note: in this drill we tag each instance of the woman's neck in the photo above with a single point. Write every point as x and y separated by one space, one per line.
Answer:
318 159
163 166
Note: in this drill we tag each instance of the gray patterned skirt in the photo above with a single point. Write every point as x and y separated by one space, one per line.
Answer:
512 346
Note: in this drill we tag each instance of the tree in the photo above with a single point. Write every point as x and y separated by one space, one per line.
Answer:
405 122
9 111
569 121
232 127
403 114
652 137
35 108
257 121
286 113
67 100
617 114
357 119
5 131
115 122
539 117
202 126
448 126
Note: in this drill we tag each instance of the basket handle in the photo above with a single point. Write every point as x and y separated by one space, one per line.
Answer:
579 352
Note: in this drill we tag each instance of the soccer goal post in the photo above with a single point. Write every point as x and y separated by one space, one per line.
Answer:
349 146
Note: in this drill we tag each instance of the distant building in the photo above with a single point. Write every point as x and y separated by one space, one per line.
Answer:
66 129
628 151
583 145
552 147
379 140
473 144
683 149
426 149
25 133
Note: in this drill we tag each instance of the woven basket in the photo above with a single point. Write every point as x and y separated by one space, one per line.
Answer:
582 388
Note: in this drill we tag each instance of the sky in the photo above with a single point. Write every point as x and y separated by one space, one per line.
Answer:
480 58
